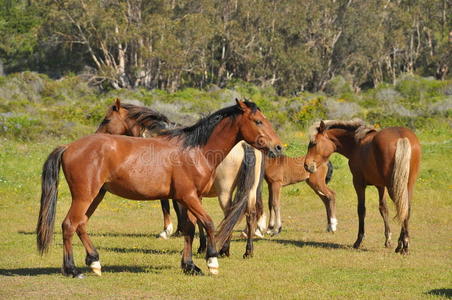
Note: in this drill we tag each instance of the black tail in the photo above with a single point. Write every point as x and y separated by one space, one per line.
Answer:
329 173
245 180
49 195
259 202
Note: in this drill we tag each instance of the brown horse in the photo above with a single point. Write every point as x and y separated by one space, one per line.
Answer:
241 170
388 158
282 171
178 165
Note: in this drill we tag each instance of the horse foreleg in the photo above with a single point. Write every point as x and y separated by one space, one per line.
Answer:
188 225
276 206
167 224
194 206
316 182
361 193
384 214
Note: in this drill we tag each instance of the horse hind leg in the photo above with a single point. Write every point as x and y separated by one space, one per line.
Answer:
75 217
202 239
251 227
384 214
167 224
92 256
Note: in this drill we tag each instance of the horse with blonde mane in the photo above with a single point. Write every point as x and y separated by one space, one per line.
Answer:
387 159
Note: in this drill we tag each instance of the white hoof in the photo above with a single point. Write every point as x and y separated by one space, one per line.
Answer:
212 264
165 234
244 235
96 267
262 223
259 233
333 226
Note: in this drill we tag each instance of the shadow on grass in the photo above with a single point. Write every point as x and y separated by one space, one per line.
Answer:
107 269
302 244
138 250
107 234
441 292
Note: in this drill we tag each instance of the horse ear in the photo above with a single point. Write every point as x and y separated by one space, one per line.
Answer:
117 105
322 126
241 105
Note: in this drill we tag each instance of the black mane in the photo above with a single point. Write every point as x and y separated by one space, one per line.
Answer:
199 133
146 117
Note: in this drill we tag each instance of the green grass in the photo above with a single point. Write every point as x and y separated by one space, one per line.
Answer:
302 262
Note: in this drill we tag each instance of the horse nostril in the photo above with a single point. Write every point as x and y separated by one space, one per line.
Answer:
278 148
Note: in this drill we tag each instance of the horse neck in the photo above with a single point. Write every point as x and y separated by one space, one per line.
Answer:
344 141
223 138
294 169
133 128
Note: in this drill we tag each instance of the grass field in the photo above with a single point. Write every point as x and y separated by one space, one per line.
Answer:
303 262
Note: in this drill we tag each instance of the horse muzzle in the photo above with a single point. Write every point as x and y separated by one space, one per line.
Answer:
275 151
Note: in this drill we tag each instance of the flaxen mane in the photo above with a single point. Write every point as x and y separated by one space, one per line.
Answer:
360 128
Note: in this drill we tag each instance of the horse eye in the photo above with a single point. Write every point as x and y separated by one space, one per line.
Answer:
258 122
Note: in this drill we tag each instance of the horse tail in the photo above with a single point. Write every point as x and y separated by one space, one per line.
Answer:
400 175
49 195
329 173
237 209
259 201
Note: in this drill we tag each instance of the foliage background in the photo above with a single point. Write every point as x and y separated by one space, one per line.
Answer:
292 46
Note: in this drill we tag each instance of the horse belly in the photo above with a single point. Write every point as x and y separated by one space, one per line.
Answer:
140 184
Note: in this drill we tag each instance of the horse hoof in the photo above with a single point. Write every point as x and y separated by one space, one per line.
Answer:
96 267
79 276
356 245
275 232
193 270
247 255
164 235
244 235
259 233
332 227
212 264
